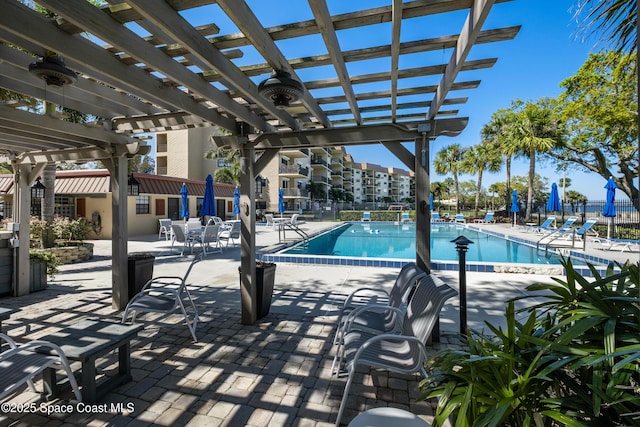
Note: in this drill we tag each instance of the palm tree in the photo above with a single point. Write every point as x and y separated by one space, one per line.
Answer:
536 129
229 174
616 20
439 190
479 158
497 132
449 160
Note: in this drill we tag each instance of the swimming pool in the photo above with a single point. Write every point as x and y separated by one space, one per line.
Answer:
398 241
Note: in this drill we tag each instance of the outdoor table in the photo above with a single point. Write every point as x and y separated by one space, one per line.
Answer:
88 341
5 313
384 417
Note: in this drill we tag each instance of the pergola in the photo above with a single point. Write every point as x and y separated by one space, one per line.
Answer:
149 65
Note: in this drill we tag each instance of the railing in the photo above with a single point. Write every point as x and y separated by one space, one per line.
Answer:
295 192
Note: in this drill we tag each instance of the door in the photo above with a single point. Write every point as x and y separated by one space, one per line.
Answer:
173 208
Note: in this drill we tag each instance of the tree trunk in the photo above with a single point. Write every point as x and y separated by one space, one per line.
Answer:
478 190
532 174
507 196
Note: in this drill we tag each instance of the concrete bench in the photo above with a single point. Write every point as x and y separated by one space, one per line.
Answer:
88 341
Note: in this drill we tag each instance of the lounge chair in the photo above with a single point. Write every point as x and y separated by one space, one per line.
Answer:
405 217
22 363
403 353
166 294
547 226
165 228
459 219
486 220
366 216
231 234
435 217
617 245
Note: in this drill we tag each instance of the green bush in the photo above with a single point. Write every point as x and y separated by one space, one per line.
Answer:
375 215
575 361
49 258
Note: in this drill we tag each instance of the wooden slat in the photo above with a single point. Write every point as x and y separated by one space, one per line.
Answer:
247 22
468 37
79 11
173 24
323 20
396 19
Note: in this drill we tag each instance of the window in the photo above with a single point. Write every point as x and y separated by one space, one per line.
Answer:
142 205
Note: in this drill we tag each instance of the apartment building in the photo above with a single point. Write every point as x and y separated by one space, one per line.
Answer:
305 175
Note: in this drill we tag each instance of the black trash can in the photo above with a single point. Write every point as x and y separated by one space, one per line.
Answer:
265 278
139 272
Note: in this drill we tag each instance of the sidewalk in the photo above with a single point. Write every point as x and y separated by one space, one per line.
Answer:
273 373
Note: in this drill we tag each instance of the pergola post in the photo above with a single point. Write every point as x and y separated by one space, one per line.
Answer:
22 215
119 274
248 289
423 211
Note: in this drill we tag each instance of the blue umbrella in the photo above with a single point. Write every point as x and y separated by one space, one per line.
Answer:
554 200
515 208
610 206
209 202
184 212
280 201
236 202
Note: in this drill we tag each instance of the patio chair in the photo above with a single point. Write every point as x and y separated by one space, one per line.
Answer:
209 239
366 216
402 353
22 363
165 228
178 235
488 218
166 294
547 225
271 222
405 281
231 234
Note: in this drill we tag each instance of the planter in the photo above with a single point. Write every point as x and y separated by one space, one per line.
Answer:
265 278
37 275
139 272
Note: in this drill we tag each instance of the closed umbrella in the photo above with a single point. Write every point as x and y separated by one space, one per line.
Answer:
609 210
236 202
554 199
514 205
184 212
431 201
280 201
209 202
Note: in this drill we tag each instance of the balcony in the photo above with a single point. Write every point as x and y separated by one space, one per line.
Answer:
294 170
295 192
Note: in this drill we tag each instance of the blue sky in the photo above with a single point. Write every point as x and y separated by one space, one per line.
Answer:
545 52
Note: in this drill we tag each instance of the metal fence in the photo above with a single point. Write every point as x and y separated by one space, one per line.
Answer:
625 225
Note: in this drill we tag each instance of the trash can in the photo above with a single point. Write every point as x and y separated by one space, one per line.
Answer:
139 272
265 279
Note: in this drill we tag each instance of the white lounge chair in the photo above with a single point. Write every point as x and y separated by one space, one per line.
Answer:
435 217
366 216
548 225
166 294
403 353
459 219
178 235
21 364
488 218
405 217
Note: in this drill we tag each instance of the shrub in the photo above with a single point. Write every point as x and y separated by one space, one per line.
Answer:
575 361
49 258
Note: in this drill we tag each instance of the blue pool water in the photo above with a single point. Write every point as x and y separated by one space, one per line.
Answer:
381 240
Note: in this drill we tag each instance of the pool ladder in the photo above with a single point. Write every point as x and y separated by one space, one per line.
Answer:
298 231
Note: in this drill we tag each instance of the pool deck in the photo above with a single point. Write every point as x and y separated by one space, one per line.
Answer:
275 372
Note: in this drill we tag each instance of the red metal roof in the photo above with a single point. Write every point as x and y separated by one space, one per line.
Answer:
97 181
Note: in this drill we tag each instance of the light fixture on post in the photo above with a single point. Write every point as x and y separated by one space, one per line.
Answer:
281 89
53 71
38 190
133 186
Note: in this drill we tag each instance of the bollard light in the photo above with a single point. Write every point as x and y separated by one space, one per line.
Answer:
462 245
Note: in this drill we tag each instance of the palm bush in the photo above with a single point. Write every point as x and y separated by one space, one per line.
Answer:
574 361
